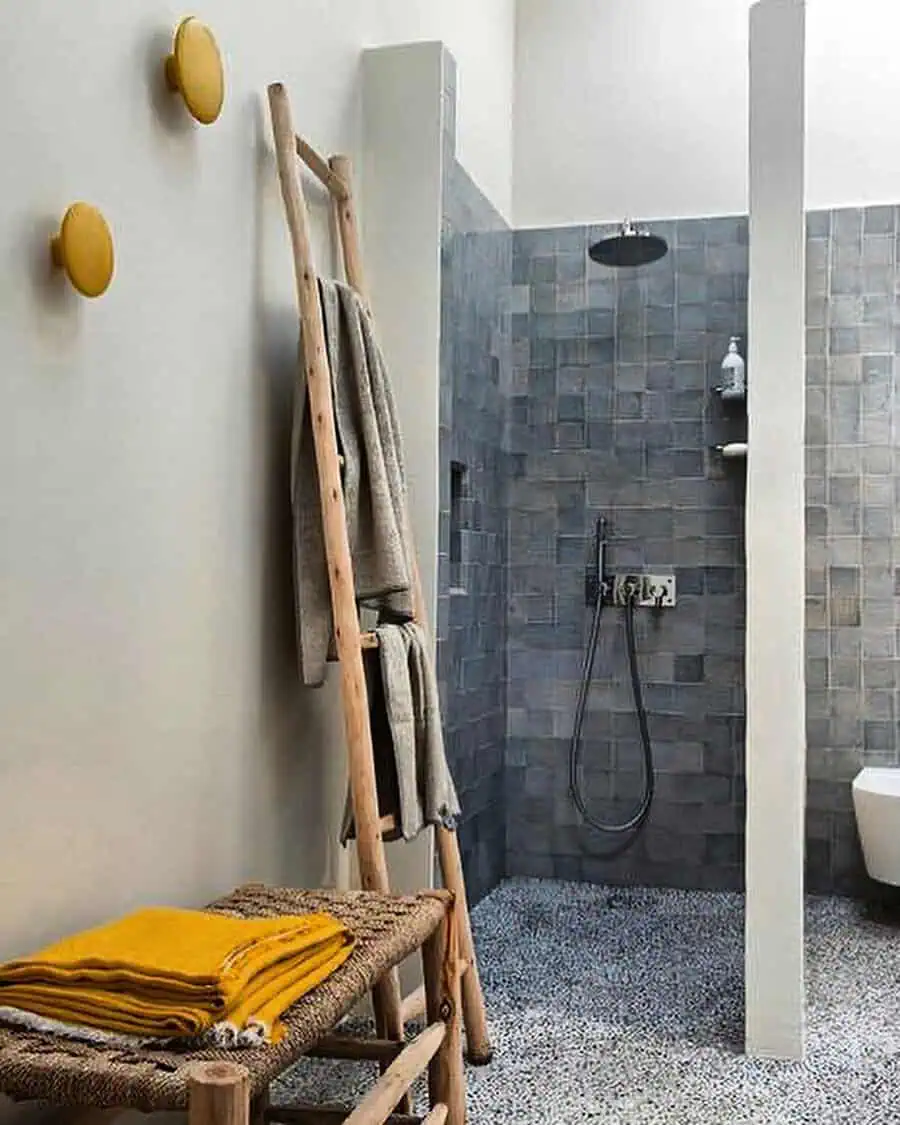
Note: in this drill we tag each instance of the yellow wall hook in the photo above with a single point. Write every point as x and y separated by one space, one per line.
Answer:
84 249
194 69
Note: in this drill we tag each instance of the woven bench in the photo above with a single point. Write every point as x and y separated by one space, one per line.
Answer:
220 1087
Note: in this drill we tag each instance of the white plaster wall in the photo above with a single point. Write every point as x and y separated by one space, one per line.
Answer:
402 162
481 36
639 107
155 744
401 233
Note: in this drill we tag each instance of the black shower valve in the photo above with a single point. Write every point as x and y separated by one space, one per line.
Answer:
631 588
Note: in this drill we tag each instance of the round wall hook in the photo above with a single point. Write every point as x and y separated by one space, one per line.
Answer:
194 69
84 249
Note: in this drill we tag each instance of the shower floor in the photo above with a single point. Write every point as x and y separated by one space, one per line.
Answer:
620 1005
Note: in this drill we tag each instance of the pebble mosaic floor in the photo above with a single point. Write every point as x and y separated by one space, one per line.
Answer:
614 1006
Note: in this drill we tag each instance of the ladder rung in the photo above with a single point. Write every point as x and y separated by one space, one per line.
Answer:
387 823
366 640
322 169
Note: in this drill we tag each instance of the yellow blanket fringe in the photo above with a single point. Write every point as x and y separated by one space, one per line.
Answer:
169 973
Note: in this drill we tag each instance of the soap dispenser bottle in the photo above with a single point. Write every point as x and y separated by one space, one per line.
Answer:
734 382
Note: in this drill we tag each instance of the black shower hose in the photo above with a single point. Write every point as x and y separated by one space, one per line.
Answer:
638 819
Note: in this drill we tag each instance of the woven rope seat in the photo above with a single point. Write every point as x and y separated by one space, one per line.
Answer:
46 1067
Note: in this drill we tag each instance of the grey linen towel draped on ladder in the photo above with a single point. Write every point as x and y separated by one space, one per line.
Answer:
414 780
374 484
409 741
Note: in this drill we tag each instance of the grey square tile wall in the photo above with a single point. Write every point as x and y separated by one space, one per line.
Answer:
611 411
598 393
853 539
476 264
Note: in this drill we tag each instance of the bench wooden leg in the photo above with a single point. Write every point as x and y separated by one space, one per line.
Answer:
440 963
218 1094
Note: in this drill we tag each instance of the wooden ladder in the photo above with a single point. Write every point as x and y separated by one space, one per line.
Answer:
390 1012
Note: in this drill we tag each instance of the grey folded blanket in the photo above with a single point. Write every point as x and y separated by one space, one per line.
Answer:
408 741
374 488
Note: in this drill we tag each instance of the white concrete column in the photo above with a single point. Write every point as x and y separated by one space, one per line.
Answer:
776 735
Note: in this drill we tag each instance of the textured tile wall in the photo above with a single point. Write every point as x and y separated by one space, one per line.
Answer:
595 397
853 537
476 263
612 411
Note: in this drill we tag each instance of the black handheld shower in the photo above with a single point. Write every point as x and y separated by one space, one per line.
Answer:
633 824
596 584
600 541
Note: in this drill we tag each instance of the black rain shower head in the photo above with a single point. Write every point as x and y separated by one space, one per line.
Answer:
630 247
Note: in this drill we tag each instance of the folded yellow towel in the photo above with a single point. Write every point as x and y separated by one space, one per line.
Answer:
171 973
